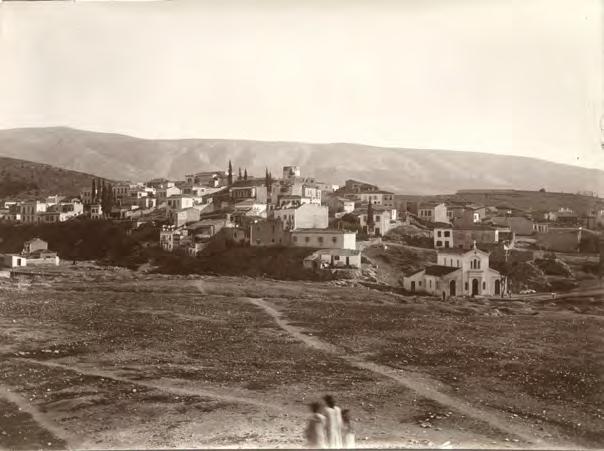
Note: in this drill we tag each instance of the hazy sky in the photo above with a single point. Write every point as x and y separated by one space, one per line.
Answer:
520 77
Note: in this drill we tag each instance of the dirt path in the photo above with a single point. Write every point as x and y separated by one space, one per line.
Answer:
39 417
168 386
421 384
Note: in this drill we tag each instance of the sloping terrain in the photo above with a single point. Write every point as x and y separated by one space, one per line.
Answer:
401 170
24 179
100 359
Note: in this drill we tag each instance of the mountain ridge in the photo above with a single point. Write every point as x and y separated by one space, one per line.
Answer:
414 171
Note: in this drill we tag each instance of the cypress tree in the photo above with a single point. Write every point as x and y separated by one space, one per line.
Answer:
370 222
93 192
245 174
230 174
240 177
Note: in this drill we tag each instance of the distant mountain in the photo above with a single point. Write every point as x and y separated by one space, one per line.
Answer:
401 170
25 179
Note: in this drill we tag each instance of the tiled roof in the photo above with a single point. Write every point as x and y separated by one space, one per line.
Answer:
453 250
440 270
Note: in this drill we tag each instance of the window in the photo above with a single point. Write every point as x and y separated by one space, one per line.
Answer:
439 234
446 244
439 243
337 257
334 239
458 263
295 239
430 283
306 239
466 286
377 218
484 285
447 233
420 283
320 239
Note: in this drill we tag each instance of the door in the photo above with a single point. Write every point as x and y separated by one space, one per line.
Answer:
497 287
474 287
452 288
413 286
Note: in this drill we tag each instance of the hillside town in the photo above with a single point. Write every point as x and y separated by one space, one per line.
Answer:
336 223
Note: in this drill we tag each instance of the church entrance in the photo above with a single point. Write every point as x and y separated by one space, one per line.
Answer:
474 287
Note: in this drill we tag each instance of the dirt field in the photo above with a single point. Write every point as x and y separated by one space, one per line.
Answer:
117 361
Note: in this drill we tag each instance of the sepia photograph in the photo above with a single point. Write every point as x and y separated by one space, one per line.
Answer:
319 224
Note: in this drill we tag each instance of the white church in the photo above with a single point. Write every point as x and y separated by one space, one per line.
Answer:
458 272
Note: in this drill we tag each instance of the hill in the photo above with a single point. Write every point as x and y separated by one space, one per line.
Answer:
25 179
401 170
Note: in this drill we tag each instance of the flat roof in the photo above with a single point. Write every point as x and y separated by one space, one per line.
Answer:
475 227
332 231
344 252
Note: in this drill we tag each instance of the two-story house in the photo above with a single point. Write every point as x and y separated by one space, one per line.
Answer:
433 212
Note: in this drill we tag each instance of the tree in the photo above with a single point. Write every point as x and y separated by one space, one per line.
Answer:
240 177
542 190
93 192
245 174
370 221
230 174
107 198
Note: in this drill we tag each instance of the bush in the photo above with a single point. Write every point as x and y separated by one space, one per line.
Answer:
79 239
554 267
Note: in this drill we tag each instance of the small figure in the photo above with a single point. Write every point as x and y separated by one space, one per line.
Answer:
347 430
333 416
315 429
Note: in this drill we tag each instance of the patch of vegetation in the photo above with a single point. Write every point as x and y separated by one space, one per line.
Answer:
284 263
20 179
82 239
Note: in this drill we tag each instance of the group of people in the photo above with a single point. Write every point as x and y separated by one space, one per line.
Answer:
329 426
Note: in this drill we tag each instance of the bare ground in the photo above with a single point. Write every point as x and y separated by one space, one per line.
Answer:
120 362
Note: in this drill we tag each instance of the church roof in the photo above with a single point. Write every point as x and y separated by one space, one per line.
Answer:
440 270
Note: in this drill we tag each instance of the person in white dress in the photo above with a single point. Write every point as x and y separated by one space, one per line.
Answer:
347 430
316 428
333 417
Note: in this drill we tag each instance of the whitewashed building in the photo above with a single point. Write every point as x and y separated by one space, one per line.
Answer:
458 273
323 239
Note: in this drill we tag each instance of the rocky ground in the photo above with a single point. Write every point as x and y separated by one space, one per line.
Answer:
102 358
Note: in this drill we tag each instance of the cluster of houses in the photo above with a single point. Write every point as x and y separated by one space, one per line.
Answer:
290 211
52 209
458 225
218 208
